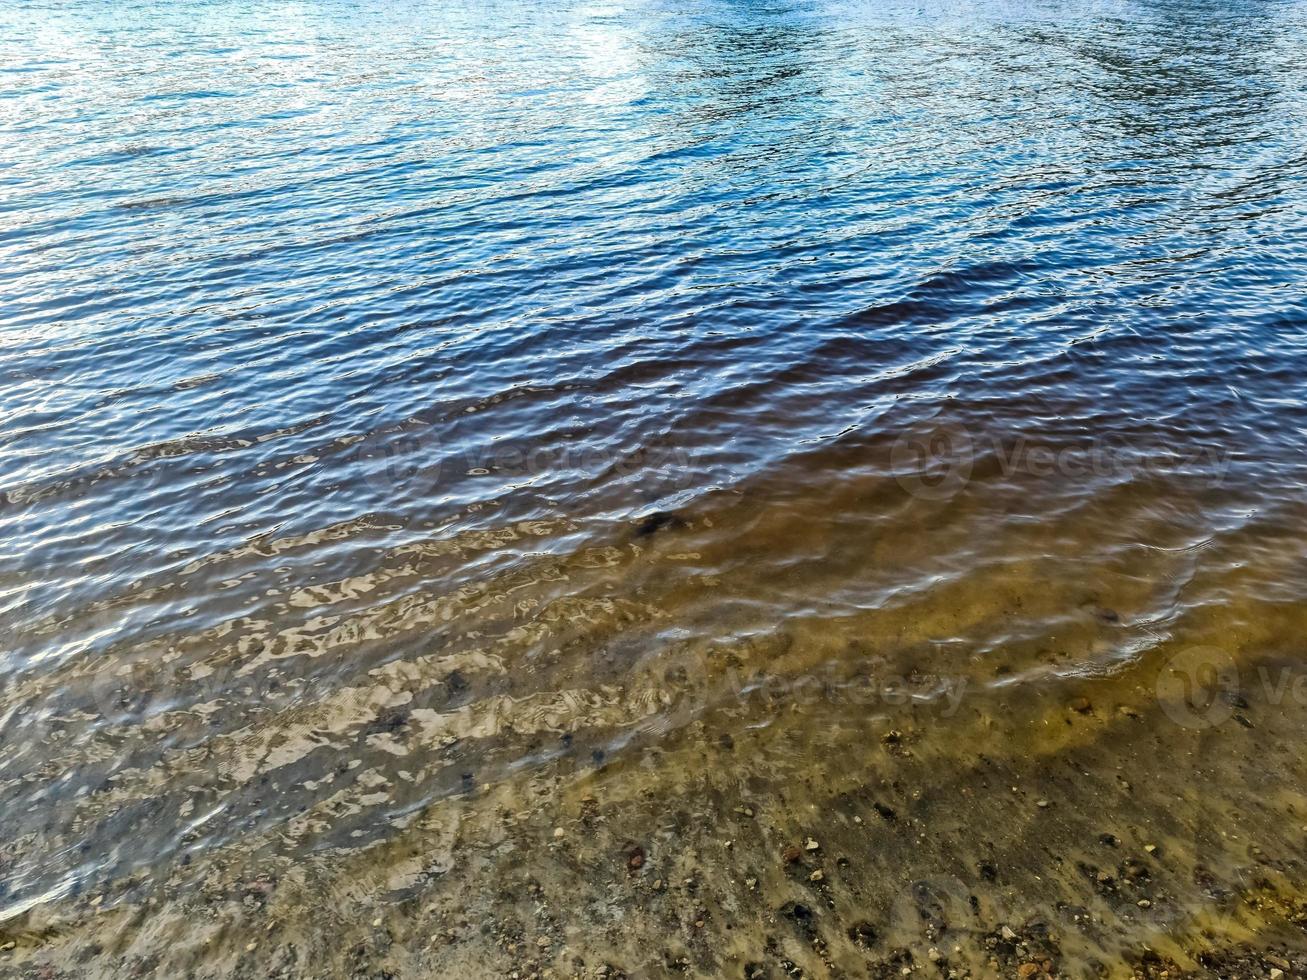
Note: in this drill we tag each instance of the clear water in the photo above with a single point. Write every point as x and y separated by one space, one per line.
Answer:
404 402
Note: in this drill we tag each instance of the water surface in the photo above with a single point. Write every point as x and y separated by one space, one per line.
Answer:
429 425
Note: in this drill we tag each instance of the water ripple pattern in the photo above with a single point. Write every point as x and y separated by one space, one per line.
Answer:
400 397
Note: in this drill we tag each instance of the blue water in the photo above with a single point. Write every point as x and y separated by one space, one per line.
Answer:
337 336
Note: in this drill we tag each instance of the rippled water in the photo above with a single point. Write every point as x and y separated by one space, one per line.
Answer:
407 403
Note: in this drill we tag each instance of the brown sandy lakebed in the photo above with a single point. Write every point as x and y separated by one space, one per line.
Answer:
653 489
770 818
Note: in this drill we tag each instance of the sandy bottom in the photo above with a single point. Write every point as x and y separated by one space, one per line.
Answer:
1112 831
763 739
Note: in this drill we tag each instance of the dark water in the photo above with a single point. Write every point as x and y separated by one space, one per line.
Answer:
402 401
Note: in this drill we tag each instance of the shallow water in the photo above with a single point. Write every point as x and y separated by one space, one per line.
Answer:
425 426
